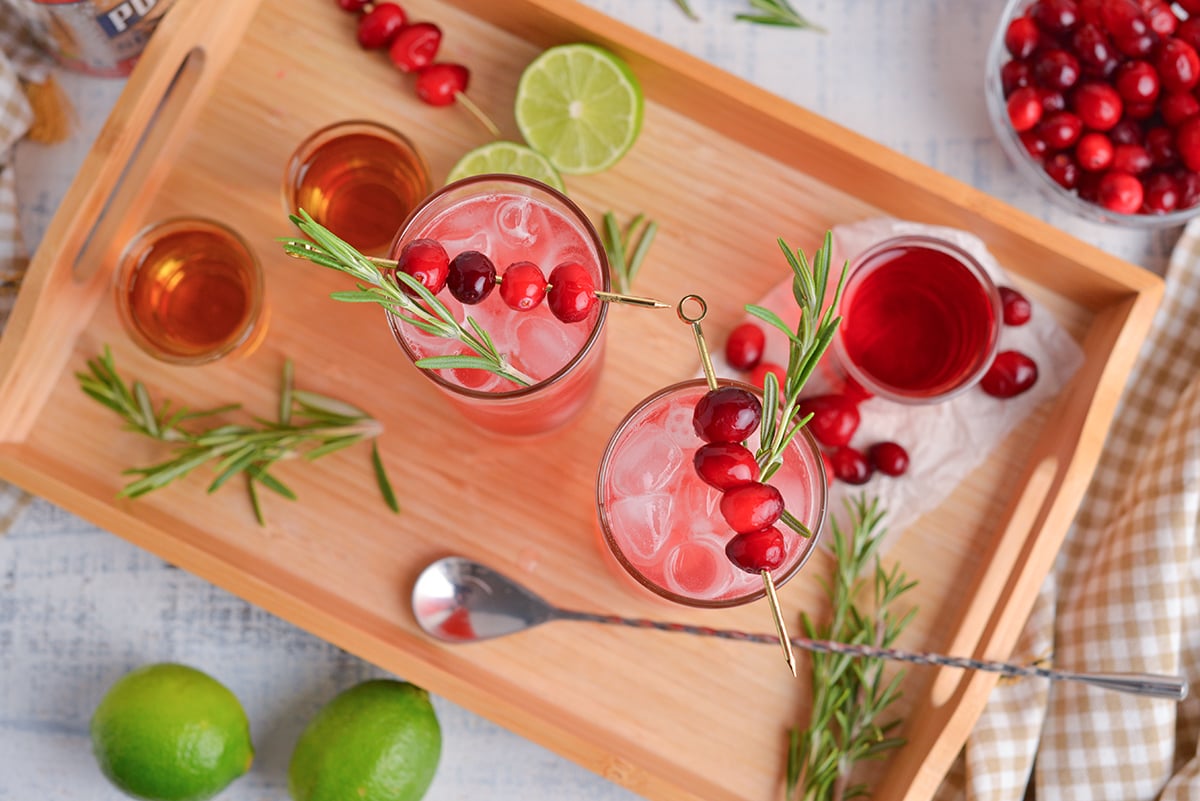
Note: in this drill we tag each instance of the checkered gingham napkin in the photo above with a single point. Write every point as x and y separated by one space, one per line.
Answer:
1124 597
19 60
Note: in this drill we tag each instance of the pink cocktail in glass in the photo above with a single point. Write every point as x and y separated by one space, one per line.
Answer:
663 525
512 219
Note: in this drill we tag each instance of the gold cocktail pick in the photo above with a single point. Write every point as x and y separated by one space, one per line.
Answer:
710 375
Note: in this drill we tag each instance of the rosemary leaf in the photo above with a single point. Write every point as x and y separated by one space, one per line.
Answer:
309 425
381 478
626 250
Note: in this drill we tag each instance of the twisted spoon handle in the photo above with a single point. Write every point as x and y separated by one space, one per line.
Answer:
1150 685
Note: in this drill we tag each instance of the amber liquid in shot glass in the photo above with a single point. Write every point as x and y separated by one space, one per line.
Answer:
359 179
191 291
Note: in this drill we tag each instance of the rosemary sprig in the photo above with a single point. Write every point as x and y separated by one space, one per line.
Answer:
770 12
806 345
627 249
403 296
850 694
309 425
777 12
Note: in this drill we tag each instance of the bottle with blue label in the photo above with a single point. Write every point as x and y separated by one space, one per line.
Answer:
97 37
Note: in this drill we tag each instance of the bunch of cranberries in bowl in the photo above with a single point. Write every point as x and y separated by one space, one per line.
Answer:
1100 101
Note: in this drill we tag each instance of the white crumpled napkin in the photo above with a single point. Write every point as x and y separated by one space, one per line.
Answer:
944 441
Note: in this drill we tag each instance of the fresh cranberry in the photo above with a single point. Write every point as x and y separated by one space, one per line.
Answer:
1189 188
758 376
727 414
1061 130
1011 373
1024 108
1094 49
1189 31
1089 12
1133 159
1123 18
1178 65
1063 169
888 458
1192 7
1177 107
1056 68
1160 144
472 277
1163 194
1161 18
1097 105
835 418
1187 142
1140 111
1052 100
1014 75
426 261
751 507
1017 308
1088 187
572 293
1034 144
1137 82
523 286
415 46
757 551
1055 17
1120 192
1138 46
725 465
850 465
1021 37
353 6
439 84
744 348
1126 132
1094 151
379 26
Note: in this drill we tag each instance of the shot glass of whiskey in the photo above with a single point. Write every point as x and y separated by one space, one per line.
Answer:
359 179
191 291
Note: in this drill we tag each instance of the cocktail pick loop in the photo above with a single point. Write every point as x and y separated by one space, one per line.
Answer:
710 375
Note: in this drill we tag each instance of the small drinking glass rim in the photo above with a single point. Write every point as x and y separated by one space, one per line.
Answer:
964 258
331 131
819 485
601 258
125 270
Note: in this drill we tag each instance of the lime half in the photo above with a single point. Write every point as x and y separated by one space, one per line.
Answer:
510 159
581 106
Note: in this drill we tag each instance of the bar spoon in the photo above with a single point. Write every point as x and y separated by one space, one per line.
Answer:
457 600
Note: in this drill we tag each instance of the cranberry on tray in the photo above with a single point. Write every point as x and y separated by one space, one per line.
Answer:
1098 101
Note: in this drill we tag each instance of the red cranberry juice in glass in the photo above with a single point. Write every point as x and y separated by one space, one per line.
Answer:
662 524
920 320
511 219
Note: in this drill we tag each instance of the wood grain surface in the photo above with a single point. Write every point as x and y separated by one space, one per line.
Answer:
640 709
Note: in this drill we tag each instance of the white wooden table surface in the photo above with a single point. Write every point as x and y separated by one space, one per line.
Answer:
79 606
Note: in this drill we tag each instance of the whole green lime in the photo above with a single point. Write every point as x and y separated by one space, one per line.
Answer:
377 741
168 732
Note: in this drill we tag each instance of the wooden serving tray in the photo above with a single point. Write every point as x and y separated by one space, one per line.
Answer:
205 126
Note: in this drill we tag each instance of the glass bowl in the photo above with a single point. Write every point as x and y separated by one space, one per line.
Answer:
1033 171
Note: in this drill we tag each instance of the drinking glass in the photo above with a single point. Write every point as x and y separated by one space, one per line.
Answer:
511 219
920 320
662 525
190 290
359 179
